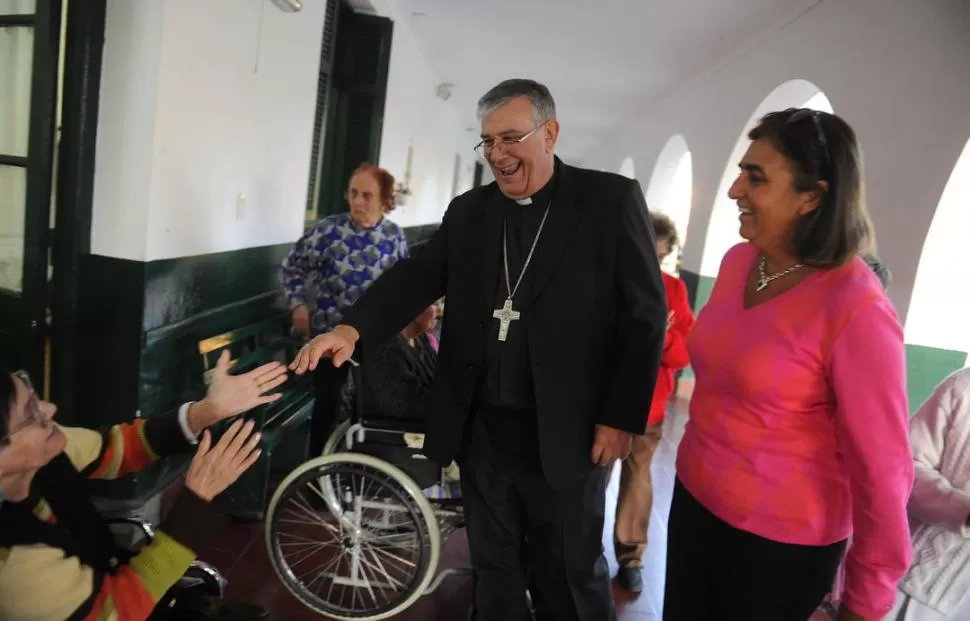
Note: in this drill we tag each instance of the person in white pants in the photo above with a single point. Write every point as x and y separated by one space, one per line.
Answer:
936 586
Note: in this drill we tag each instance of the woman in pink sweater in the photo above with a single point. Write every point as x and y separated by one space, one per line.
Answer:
798 424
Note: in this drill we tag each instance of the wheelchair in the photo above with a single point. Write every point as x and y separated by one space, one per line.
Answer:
201 577
357 533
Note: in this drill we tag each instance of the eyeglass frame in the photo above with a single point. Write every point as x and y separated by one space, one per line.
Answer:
32 410
819 132
485 150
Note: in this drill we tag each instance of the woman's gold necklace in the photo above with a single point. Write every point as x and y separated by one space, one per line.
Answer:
764 279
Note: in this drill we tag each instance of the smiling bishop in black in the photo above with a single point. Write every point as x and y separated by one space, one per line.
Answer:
550 347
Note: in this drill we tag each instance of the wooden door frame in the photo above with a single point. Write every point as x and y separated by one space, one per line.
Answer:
83 47
38 163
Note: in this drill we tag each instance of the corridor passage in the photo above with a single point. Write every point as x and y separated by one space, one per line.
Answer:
241 552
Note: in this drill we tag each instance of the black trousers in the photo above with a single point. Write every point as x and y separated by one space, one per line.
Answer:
328 381
715 571
523 533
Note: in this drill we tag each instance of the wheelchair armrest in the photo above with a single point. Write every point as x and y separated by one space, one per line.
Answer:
144 527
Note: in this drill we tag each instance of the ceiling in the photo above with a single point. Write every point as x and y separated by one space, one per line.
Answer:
606 62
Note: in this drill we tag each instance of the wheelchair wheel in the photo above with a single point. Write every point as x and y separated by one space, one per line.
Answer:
369 551
335 443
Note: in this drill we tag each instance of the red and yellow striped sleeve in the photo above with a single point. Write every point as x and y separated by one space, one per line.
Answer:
134 590
39 582
124 448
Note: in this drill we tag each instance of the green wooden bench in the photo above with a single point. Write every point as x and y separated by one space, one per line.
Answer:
284 423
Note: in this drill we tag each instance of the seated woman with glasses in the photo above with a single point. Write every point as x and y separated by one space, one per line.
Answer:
798 423
58 559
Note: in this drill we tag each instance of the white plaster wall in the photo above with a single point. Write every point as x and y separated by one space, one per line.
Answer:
236 100
413 114
202 102
895 69
126 128
669 187
941 296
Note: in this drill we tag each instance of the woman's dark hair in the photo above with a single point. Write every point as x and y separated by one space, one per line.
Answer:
821 147
385 181
664 229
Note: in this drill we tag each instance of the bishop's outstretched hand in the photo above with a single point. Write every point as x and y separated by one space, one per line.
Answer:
338 344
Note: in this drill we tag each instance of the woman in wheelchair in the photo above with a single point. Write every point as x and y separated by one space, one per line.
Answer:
398 375
58 559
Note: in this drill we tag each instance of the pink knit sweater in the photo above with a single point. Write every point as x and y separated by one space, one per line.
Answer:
799 419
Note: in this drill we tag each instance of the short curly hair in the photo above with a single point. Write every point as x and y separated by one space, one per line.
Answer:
385 181
664 229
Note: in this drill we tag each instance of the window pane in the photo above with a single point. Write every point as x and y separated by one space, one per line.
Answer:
18 7
16 62
13 193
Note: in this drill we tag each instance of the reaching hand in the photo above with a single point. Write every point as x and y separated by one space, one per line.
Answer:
609 445
213 470
339 344
229 395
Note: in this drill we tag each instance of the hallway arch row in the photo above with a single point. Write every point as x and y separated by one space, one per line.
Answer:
936 330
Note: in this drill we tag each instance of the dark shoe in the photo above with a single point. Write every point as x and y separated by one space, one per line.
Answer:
198 607
630 579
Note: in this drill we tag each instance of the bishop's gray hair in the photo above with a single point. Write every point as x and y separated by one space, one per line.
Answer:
543 105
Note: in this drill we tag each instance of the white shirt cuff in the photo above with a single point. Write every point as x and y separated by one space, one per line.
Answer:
184 423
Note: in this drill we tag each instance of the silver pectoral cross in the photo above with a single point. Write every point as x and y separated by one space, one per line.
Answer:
505 316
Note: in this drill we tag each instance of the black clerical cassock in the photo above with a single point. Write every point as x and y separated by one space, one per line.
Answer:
520 414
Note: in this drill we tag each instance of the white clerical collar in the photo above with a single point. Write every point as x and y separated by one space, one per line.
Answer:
524 201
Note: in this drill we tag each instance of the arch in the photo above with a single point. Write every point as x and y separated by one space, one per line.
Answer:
722 230
671 188
936 323
627 169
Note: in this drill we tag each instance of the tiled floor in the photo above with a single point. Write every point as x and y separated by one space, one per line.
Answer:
240 551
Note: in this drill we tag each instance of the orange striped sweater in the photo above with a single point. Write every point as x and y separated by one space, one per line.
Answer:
41 582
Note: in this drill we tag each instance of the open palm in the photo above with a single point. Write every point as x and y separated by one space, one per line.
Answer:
234 394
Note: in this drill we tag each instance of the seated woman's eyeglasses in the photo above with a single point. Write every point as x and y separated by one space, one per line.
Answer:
33 415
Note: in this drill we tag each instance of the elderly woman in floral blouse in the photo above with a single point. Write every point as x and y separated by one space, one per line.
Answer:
331 266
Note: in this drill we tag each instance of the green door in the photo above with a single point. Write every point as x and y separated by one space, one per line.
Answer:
29 37
354 104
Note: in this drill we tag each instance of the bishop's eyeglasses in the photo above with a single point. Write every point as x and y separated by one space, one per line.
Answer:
488 144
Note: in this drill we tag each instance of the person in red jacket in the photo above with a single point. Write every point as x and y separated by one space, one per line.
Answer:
635 500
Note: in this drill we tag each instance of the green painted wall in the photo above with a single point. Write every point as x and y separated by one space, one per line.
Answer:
141 324
705 285
925 368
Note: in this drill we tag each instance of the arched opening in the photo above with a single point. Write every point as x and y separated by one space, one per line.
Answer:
722 232
627 169
937 330
670 190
